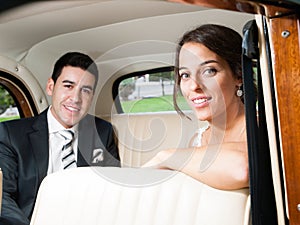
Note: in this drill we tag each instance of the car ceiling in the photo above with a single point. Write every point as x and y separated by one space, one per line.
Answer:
121 35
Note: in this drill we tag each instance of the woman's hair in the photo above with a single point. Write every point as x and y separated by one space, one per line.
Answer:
221 40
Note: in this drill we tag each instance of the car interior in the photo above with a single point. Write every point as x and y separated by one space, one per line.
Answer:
136 196
133 43
124 37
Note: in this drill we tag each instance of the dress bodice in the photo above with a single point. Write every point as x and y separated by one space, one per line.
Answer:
197 138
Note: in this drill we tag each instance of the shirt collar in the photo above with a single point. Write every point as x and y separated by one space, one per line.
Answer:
54 126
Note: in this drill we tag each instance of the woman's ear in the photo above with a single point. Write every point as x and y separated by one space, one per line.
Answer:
239 81
50 86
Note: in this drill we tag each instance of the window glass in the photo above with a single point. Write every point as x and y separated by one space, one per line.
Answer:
8 108
148 92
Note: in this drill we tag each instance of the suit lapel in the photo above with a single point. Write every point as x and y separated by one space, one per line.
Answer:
39 142
85 141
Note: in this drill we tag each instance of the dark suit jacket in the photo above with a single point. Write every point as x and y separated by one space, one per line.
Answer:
24 155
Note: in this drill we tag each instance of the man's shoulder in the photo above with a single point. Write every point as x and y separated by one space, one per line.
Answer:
18 122
21 123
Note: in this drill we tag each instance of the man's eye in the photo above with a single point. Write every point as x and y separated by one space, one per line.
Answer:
87 90
68 86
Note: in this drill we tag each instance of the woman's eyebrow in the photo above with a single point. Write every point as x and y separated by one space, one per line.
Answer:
201 64
207 62
182 68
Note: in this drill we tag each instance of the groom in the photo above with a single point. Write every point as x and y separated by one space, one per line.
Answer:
31 148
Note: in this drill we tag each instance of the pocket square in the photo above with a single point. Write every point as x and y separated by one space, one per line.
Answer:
97 155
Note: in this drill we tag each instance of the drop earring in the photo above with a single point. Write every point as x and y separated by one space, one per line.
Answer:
239 91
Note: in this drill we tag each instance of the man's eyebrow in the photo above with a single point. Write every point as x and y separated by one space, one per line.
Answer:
68 81
83 87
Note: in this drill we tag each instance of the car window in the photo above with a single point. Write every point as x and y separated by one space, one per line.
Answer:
8 108
147 91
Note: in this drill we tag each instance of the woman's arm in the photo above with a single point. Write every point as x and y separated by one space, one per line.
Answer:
223 166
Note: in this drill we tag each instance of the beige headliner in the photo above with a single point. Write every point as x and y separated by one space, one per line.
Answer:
122 36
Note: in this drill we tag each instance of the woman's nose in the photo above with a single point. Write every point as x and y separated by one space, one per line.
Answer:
195 84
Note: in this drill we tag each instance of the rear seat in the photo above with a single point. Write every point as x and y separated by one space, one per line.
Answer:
120 196
143 195
141 136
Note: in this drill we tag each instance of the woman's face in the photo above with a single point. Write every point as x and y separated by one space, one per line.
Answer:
207 82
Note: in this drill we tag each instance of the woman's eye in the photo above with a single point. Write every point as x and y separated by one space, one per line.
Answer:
184 75
209 72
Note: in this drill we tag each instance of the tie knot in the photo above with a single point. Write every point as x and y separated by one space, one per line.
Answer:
67 134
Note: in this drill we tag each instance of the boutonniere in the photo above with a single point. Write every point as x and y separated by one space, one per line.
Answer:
97 155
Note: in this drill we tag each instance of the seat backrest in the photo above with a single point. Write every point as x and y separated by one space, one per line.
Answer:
121 196
141 136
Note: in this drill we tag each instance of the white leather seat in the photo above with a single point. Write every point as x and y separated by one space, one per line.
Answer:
120 196
141 136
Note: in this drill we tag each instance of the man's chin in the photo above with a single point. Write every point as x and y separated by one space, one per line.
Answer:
71 123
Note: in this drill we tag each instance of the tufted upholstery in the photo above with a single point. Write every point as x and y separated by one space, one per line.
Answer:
141 136
130 196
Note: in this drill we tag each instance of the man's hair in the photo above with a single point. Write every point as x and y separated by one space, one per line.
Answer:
75 59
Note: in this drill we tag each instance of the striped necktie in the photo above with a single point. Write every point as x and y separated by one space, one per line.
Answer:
68 156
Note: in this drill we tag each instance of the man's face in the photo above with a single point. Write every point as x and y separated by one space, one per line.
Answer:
72 95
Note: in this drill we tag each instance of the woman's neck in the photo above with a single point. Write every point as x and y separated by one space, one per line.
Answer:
229 127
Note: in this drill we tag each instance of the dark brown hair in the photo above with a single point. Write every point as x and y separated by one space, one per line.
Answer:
222 40
75 59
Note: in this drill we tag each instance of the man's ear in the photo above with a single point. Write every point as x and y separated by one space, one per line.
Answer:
50 86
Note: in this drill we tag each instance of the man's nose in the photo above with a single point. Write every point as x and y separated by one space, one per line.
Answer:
76 95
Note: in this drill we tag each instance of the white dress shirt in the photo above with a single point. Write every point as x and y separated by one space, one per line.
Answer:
56 143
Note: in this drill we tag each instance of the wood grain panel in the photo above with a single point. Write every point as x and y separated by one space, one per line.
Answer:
284 37
22 101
